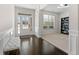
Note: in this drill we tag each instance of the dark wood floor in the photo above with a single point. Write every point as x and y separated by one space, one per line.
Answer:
31 45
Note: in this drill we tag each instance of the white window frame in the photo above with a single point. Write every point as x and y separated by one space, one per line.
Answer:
53 20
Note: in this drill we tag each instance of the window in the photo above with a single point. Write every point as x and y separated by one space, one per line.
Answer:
48 21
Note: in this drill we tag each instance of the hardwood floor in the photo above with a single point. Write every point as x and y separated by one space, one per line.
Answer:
31 45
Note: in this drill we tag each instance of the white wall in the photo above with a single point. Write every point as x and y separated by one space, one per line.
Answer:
6 18
37 21
74 29
1 47
63 14
32 6
45 31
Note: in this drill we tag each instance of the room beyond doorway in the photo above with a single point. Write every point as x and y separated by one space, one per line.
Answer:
24 22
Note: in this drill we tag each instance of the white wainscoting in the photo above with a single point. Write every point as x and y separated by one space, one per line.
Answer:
74 42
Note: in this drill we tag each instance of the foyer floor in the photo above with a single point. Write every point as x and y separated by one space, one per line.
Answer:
31 45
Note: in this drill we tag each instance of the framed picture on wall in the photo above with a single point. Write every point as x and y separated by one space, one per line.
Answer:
65 25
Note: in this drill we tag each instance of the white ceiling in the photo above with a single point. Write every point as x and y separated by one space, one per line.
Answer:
48 7
54 8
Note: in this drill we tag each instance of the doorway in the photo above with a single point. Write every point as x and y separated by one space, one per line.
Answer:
24 22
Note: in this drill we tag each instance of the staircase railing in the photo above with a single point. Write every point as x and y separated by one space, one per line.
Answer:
9 41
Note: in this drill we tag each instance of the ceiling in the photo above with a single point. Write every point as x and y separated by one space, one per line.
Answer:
48 7
54 8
